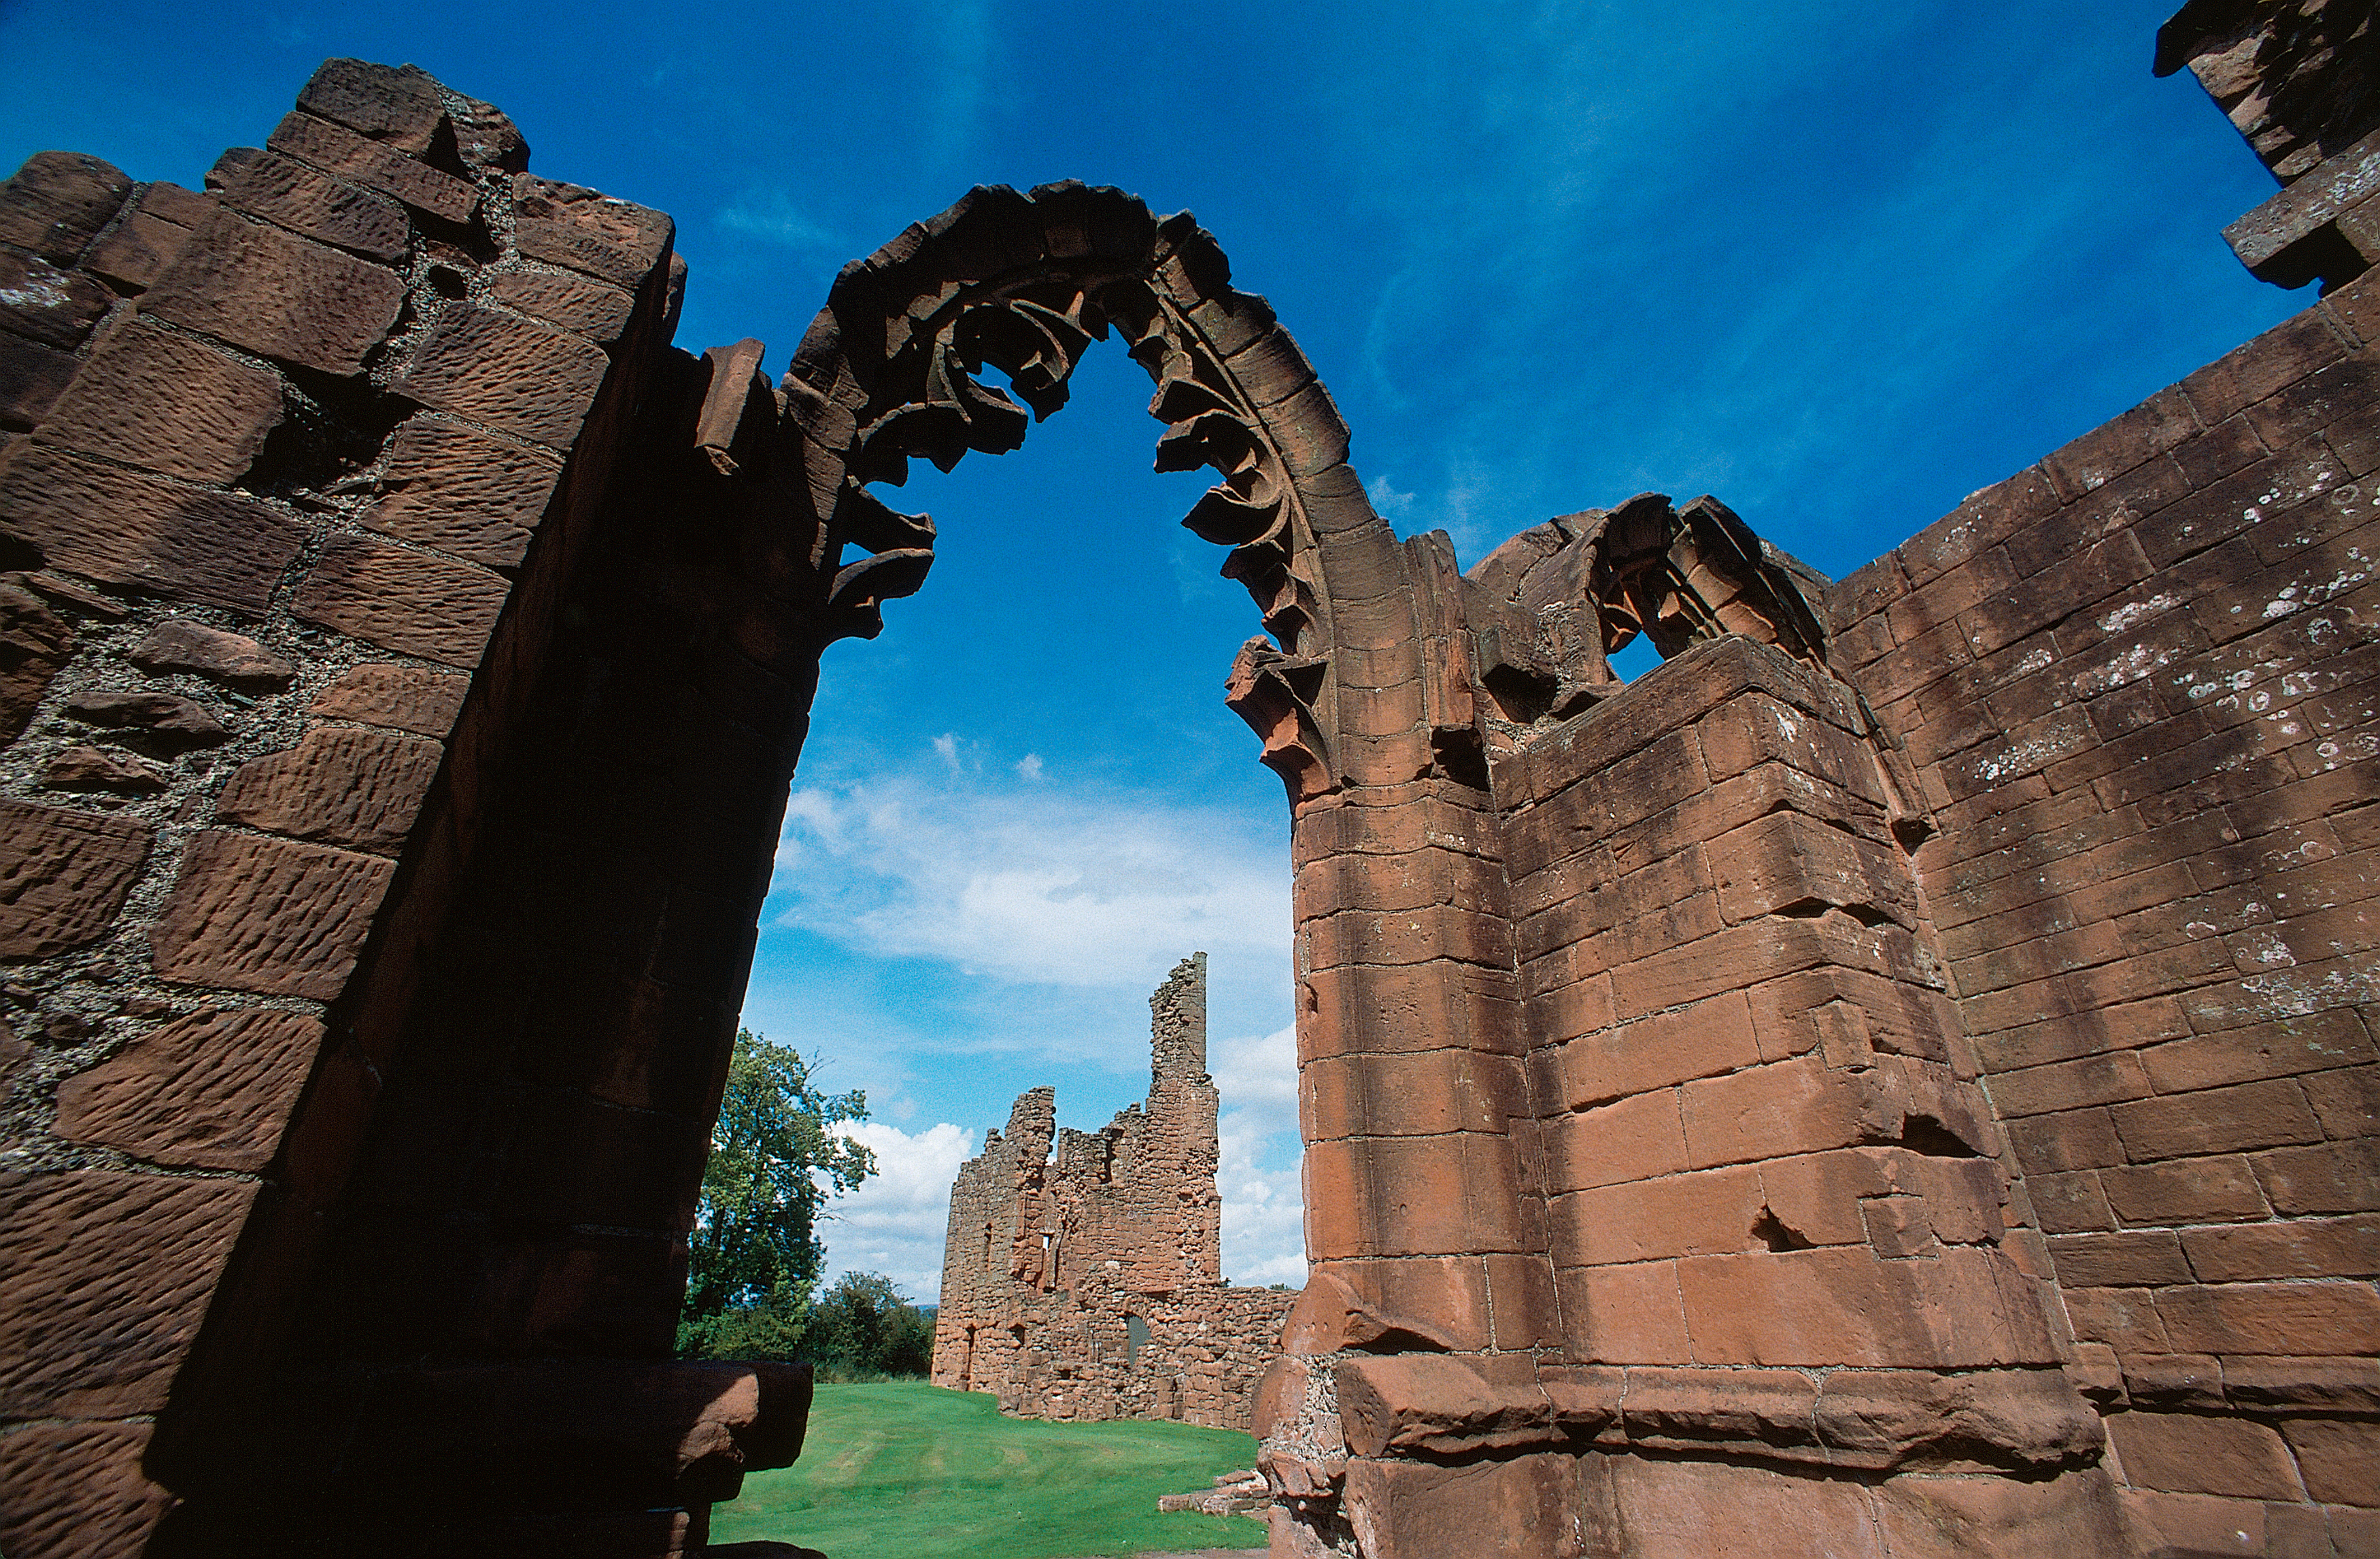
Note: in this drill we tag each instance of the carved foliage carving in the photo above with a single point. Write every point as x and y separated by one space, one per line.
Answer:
1556 602
895 369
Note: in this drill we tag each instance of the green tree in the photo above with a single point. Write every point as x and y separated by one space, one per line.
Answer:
775 1158
862 1327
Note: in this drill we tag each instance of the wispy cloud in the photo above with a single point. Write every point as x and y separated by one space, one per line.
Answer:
895 1222
771 216
1026 880
1264 1213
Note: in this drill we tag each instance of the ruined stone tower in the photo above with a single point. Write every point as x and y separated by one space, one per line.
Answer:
1092 1286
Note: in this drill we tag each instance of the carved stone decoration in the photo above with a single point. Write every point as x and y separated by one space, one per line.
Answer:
894 366
1558 601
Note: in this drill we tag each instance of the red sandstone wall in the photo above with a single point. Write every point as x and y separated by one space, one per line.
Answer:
298 477
1053 1264
2136 684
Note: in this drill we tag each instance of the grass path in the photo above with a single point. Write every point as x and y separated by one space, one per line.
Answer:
901 1468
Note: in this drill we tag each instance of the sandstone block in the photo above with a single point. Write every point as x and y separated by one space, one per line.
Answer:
166 719
271 916
49 305
34 642
567 300
167 403
2187 1454
1431 1402
280 297
1634 1139
401 696
1623 1315
212 1090
409 602
287 193
396 105
2260 1114
463 493
107 1277
1677 1509
2338 1459
63 875
1692 1214
565 225
32 376
339 785
514 375
96 768
2184 1191
1410 1510
57 202
222 548
1710 1037
233 659
1939 1518
135 251
2310 1318
76 1489
373 164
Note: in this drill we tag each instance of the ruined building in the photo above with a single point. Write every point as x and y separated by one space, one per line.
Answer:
1896 1078
1091 1285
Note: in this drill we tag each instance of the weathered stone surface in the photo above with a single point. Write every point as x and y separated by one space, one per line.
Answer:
76 1489
57 202
103 1280
1523 1508
32 376
233 659
566 225
164 718
34 641
165 402
373 164
271 916
404 698
464 493
1090 1287
49 305
96 768
398 105
212 1090
222 548
409 602
135 251
513 375
281 296
339 785
568 301
292 195
63 875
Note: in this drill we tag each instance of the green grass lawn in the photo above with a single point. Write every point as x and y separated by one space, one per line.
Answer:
902 1467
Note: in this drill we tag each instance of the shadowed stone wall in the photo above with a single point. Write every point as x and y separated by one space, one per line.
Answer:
1091 1287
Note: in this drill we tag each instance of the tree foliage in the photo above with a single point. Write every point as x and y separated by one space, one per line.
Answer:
861 1327
775 1159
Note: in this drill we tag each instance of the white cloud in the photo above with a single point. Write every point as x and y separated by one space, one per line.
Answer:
1041 883
771 216
1029 766
1264 1217
1387 502
895 1222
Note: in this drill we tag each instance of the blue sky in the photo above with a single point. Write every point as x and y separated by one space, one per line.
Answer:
1839 270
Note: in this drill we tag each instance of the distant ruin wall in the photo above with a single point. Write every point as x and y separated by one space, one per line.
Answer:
1091 1285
